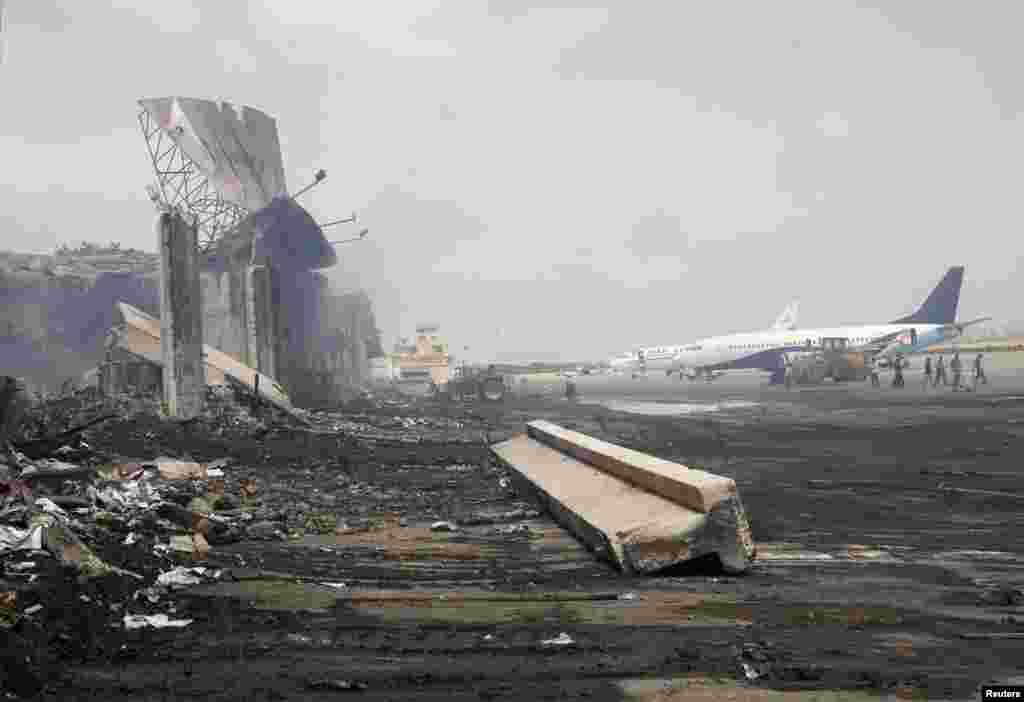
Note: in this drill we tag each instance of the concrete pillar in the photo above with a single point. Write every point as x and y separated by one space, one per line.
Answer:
181 316
358 346
262 320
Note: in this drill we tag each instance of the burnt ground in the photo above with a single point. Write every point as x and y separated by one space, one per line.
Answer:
888 530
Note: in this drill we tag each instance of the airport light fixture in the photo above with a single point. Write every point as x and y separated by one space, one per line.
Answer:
318 178
347 220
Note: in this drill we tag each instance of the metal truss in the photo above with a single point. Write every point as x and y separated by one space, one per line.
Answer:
182 185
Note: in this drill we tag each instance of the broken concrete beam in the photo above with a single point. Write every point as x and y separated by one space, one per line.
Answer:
181 316
142 338
695 489
639 528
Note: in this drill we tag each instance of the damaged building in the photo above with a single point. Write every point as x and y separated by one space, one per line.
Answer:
61 320
265 302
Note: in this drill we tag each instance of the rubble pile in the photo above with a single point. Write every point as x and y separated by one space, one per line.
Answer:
92 541
109 509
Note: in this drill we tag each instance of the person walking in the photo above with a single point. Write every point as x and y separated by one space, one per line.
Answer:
979 373
897 372
940 371
927 372
954 366
874 373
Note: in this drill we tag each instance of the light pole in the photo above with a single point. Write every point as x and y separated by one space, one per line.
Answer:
318 177
347 220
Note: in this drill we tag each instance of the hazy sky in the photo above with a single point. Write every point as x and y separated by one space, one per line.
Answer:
563 178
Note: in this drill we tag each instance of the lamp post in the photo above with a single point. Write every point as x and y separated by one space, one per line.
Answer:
318 177
347 220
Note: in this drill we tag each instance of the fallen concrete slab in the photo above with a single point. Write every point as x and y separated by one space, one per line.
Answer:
141 337
642 513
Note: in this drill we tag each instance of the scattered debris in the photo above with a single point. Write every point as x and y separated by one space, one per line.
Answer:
155 621
337 685
443 526
562 639
8 609
171 469
12 539
186 577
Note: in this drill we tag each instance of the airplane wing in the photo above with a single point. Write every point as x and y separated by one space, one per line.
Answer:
892 343
959 327
885 343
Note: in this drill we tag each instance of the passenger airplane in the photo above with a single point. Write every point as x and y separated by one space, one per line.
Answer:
661 357
934 322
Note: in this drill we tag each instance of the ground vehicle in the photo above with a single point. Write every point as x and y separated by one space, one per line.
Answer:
833 358
469 384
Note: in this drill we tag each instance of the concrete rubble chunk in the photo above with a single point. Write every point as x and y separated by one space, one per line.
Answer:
642 513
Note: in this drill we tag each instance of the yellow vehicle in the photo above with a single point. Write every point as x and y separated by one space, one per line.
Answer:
833 358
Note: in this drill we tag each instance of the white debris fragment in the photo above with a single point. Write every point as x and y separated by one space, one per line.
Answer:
22 566
150 593
511 529
750 671
629 596
337 586
184 577
52 464
157 621
443 526
488 637
504 482
214 473
48 506
12 539
33 609
562 639
130 539
138 494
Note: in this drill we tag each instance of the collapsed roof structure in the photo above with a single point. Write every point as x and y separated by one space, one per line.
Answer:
219 165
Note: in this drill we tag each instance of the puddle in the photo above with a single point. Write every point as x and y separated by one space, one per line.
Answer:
712 688
979 556
454 607
666 409
789 552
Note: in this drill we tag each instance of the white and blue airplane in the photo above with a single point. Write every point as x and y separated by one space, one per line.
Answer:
661 357
934 322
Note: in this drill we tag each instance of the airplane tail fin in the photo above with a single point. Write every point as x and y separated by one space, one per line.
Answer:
787 320
940 307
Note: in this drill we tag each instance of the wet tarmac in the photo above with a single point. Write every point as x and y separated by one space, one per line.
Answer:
891 559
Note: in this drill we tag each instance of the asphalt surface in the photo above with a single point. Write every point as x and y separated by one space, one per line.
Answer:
888 529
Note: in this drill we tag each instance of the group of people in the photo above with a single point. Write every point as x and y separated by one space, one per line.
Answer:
939 368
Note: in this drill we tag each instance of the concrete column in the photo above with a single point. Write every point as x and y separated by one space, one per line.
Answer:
358 347
262 321
181 316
